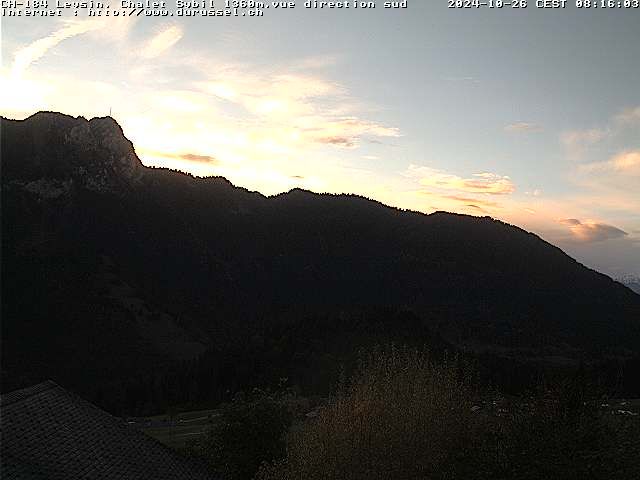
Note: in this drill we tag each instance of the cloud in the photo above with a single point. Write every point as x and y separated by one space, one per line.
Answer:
446 191
628 116
300 109
487 183
343 132
257 119
627 161
570 221
577 141
189 157
523 127
100 28
584 136
192 157
474 201
162 41
624 163
221 90
608 164
318 62
590 232
476 207
42 90
269 94
346 142
37 49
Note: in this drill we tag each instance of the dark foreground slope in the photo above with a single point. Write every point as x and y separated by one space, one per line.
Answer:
113 269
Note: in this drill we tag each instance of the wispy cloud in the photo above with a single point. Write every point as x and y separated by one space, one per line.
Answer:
472 200
523 127
605 168
626 162
588 231
318 62
37 49
462 79
578 141
244 112
162 41
299 109
343 141
629 116
344 132
189 157
192 157
593 135
572 222
481 193
269 94
25 91
486 183
99 28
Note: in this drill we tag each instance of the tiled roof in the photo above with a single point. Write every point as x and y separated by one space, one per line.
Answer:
50 433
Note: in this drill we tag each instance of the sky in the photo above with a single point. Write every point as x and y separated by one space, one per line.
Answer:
530 116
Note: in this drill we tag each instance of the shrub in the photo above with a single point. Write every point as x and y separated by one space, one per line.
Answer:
402 416
251 431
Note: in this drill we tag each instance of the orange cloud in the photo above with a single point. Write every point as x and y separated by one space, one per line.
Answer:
487 183
189 157
627 161
588 232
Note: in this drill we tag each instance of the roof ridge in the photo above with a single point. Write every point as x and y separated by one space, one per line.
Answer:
53 433
24 393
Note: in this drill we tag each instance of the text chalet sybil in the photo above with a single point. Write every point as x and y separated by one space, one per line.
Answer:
146 4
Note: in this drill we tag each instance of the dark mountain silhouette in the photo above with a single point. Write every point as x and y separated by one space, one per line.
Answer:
112 270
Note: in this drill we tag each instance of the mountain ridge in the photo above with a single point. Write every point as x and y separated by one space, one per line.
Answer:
108 123
103 251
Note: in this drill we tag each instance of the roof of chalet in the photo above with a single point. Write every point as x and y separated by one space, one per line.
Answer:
50 433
